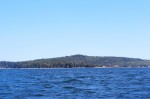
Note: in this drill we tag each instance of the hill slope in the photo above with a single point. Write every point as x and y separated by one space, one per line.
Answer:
75 61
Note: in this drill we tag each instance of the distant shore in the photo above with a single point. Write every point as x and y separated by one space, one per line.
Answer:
76 68
79 61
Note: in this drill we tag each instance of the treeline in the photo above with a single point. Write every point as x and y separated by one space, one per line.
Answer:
76 61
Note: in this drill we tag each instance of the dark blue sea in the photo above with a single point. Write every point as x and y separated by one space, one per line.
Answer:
81 83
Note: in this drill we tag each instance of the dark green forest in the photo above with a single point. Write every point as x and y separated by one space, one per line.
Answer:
77 61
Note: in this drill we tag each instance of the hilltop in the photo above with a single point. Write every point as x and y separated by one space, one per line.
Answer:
76 61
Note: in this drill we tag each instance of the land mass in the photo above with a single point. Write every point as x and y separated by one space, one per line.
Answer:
77 61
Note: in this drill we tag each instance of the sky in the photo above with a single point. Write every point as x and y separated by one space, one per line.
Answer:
35 29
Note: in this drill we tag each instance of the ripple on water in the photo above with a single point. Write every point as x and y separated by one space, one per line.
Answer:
75 83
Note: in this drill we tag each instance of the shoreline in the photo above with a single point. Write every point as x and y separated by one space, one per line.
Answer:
76 68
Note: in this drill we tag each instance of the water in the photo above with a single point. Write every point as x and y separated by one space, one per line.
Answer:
83 83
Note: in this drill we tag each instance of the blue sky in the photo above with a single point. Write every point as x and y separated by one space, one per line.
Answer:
34 29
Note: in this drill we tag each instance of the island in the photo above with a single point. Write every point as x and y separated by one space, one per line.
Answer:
79 61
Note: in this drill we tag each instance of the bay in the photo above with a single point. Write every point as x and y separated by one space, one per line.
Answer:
79 83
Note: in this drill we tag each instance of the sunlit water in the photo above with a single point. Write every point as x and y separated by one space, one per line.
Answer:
83 83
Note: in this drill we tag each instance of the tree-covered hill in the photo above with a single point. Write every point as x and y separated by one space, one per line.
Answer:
76 61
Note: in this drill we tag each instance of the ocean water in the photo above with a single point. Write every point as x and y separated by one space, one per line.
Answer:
81 83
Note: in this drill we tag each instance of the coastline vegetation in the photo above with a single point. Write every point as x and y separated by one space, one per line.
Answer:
79 61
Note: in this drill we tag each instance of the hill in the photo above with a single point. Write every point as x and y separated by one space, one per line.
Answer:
76 61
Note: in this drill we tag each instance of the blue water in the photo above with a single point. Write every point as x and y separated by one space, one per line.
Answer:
90 83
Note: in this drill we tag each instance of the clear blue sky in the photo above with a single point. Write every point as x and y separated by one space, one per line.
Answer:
34 29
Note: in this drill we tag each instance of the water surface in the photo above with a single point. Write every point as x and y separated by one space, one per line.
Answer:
82 83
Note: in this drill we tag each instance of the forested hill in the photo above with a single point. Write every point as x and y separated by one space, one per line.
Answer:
76 61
